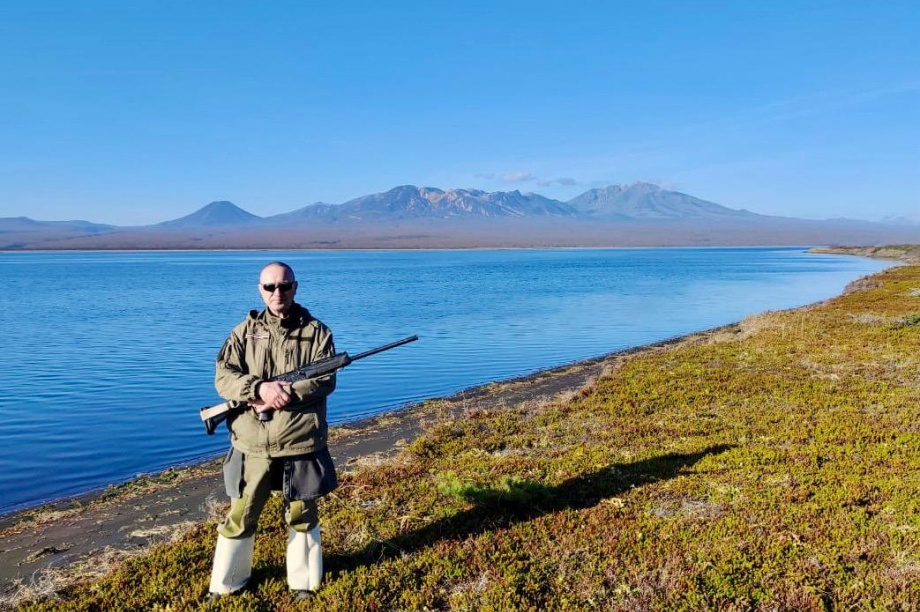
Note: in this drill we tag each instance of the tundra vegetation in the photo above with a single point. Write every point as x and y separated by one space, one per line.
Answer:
774 465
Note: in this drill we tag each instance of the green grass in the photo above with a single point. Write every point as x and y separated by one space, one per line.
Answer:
772 468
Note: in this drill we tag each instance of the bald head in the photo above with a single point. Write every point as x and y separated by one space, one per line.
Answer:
277 286
279 264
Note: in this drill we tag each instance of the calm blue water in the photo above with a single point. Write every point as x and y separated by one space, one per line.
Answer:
107 357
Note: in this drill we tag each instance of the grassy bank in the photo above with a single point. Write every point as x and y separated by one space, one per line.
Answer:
771 467
909 253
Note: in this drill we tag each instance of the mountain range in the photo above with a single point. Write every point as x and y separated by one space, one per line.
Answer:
632 202
640 214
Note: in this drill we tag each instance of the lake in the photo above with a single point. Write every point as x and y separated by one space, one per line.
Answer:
108 356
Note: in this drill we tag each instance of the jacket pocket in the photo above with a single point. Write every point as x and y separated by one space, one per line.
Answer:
296 352
297 428
246 430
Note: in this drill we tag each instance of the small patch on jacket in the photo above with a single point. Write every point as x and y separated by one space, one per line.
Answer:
259 336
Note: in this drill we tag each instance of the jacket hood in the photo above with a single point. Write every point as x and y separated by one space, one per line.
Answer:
300 316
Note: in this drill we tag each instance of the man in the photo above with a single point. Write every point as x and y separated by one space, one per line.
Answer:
279 441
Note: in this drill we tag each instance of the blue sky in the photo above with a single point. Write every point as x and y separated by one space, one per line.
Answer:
138 111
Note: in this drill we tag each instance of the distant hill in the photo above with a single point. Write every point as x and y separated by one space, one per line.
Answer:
411 202
319 211
648 201
902 220
215 214
25 224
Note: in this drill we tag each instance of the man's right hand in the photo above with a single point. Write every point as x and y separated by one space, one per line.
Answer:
272 396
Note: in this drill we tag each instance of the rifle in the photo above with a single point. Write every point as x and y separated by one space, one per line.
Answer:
215 415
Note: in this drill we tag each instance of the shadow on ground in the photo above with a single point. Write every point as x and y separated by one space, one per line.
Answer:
518 501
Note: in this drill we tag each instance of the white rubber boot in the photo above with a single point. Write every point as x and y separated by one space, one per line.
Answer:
304 560
232 564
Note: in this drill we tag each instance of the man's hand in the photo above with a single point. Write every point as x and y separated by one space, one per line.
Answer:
272 396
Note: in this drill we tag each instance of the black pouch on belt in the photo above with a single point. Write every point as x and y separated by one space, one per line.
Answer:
308 477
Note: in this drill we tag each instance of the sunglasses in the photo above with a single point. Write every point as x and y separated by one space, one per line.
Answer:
284 287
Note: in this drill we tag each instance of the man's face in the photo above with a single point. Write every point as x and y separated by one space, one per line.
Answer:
277 278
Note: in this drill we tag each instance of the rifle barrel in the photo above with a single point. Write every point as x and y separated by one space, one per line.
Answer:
386 347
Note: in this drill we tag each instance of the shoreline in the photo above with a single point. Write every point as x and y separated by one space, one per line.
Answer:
145 480
63 541
66 540
905 253
810 246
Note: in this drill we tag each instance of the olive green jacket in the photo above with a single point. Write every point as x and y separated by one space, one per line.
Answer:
263 346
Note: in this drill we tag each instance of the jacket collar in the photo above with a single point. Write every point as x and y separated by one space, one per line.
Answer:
299 317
